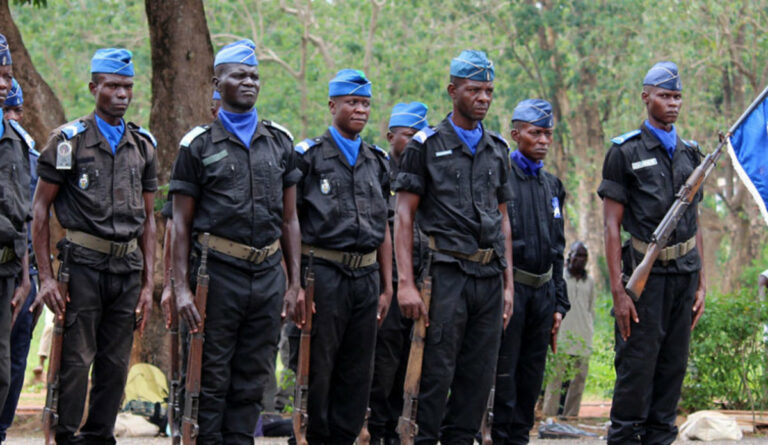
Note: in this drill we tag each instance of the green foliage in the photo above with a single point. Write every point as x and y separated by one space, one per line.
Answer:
36 3
602 374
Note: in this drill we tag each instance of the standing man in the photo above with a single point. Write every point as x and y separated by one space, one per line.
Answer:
541 299
454 180
393 337
642 173
15 144
577 329
235 179
343 212
99 172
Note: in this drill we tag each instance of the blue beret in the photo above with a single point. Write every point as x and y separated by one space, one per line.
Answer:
472 65
216 95
15 97
242 51
412 115
664 75
112 61
534 111
5 52
349 82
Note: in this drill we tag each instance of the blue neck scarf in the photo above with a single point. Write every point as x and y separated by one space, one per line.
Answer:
668 139
528 167
113 133
350 148
242 125
469 137
2 124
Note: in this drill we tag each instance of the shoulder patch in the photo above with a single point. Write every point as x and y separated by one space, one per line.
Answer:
192 134
618 140
500 138
424 134
690 143
71 130
304 146
279 127
144 132
23 133
380 151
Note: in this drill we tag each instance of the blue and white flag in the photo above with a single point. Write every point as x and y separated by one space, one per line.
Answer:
748 147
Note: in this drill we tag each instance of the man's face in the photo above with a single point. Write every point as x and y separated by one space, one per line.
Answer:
16 113
398 138
113 94
238 85
350 114
663 105
6 81
471 98
577 258
532 141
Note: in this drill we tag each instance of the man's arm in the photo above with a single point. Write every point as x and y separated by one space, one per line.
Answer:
701 291
144 305
384 255
291 245
49 290
623 307
21 292
509 280
165 299
183 211
408 296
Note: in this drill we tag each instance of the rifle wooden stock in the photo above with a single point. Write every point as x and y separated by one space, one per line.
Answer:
300 413
487 425
407 427
189 427
50 412
174 408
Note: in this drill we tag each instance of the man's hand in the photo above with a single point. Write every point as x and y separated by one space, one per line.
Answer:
144 307
185 305
698 305
19 296
385 299
411 305
509 304
624 311
557 318
166 302
297 311
50 296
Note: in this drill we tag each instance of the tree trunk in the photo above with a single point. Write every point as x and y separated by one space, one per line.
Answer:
42 109
182 68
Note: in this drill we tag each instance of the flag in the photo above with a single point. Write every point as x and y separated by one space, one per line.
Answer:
748 147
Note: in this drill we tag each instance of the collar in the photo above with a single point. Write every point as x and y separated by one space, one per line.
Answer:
330 149
10 133
651 142
526 166
452 140
94 137
219 133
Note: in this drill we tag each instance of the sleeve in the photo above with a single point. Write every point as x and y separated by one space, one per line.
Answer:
187 173
302 165
292 173
413 169
386 185
614 184
167 210
505 192
46 164
149 178
562 305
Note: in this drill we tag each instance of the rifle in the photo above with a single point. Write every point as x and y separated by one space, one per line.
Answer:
407 427
174 407
50 412
487 425
685 196
300 413
189 427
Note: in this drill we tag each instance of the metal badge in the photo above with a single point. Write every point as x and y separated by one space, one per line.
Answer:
64 156
83 181
556 208
325 186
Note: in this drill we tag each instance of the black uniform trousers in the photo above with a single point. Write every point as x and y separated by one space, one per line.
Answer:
242 328
462 345
390 364
98 331
341 352
650 365
522 358
7 286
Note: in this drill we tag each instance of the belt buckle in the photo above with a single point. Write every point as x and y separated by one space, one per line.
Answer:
351 260
255 255
118 250
487 256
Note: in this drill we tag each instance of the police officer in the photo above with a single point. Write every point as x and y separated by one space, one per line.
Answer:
642 172
343 213
99 172
392 339
454 179
235 179
541 299
21 331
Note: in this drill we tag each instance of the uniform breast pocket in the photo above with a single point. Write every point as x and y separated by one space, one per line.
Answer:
489 193
377 200
91 185
135 201
225 174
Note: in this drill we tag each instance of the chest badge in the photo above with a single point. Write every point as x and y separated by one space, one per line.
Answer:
325 186
556 208
83 182
64 156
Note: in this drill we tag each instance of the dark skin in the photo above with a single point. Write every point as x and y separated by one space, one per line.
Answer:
113 94
166 299
14 113
398 138
6 81
577 259
471 101
350 114
533 142
238 85
663 107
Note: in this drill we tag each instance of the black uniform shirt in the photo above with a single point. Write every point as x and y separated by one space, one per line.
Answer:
238 191
536 215
102 193
460 192
639 174
342 207
15 209
420 241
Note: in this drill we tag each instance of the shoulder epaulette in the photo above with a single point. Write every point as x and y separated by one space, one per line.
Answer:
690 143
424 134
303 146
380 151
279 127
71 130
144 132
192 134
618 140
23 133
500 138
34 152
